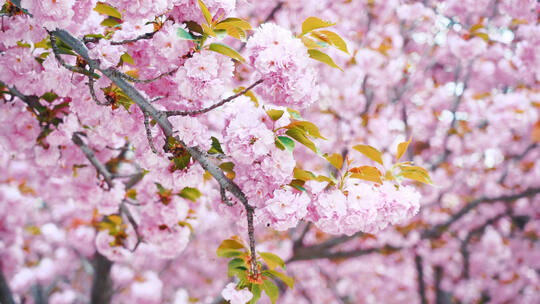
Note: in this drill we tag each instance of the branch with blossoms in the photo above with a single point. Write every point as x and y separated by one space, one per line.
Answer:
161 119
216 105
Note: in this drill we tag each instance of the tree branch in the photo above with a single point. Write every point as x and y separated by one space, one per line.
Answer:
161 118
6 297
102 283
437 230
307 254
478 230
421 284
210 108
101 169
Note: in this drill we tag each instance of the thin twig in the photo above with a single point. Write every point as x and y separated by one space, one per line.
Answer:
149 133
101 169
210 108
136 80
140 37
224 197
125 210
93 93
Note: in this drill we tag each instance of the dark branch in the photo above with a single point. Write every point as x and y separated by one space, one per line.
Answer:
210 108
149 133
101 169
478 230
437 230
6 297
421 284
102 283
306 254
93 92
140 37
274 11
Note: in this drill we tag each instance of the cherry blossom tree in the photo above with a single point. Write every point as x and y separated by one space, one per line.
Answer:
221 151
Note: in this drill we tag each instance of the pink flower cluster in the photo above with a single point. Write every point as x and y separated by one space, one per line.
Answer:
188 10
363 207
203 78
260 166
282 61
234 296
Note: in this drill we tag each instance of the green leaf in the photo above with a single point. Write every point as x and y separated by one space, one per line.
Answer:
335 160
303 175
271 290
367 173
256 291
194 27
115 219
416 173
233 22
300 136
206 12
208 30
235 266
370 152
335 40
237 33
309 127
127 58
235 27
228 244
322 57
297 184
110 22
310 43
216 147
313 23
49 96
283 277
189 193
161 189
294 114
181 162
228 167
402 148
108 10
275 114
123 100
183 34
226 50
286 142
272 260
230 253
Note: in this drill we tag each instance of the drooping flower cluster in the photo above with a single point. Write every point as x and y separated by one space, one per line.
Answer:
282 62
363 207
